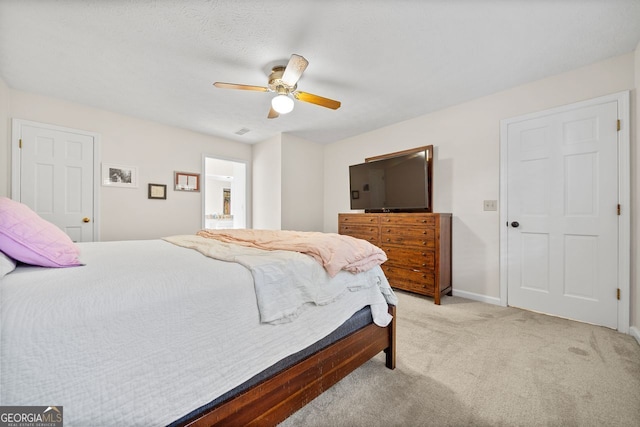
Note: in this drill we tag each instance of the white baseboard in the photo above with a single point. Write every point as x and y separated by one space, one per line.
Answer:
635 332
476 297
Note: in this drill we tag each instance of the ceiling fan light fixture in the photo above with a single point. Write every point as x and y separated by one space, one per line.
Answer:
283 82
282 104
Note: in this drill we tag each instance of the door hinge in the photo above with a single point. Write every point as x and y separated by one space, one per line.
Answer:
618 209
618 293
20 143
618 124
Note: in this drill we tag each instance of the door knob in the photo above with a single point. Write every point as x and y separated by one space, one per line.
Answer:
85 219
515 224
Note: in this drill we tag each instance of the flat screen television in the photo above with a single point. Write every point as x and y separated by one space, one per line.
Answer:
393 183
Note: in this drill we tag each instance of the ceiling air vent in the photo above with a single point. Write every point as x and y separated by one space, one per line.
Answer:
242 131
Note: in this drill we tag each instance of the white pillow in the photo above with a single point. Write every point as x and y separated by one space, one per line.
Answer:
7 265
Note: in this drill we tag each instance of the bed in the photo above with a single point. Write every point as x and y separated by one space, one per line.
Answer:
158 332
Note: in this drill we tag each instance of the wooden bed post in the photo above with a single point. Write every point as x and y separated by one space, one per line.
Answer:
391 350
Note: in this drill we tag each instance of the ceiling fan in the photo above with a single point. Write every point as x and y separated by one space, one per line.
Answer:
284 82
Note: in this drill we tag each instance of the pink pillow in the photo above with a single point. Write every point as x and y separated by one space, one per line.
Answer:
26 237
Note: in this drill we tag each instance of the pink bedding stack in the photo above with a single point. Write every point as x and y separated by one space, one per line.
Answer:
333 251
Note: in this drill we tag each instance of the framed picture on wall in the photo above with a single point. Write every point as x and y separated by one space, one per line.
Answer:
186 181
114 175
158 191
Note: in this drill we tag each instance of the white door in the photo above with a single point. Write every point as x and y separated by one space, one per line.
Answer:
562 217
56 176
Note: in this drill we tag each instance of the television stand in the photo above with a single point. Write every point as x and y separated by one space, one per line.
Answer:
418 248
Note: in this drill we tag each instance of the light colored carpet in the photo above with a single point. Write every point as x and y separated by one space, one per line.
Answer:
467 363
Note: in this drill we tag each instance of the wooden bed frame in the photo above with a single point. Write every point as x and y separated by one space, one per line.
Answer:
276 398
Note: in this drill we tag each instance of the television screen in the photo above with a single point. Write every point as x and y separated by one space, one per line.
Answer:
393 184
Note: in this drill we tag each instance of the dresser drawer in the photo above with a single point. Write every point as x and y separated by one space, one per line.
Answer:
364 232
402 256
423 237
410 280
410 219
360 219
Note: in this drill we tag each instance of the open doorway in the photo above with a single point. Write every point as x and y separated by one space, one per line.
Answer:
225 193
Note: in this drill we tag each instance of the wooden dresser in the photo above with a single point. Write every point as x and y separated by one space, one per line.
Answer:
418 247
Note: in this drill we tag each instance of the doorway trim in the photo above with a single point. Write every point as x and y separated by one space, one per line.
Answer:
16 134
624 197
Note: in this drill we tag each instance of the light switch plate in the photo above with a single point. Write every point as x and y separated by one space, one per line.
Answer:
490 205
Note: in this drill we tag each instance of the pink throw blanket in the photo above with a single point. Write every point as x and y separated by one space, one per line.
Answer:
333 251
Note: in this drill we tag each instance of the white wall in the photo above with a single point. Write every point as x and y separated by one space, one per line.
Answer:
466 166
302 184
156 150
5 138
240 204
288 184
267 184
635 201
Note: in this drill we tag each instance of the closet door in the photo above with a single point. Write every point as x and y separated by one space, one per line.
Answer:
562 221
55 176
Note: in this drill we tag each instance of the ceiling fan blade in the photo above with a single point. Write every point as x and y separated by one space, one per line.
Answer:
318 100
273 114
241 87
296 66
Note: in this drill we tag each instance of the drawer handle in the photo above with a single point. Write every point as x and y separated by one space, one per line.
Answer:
424 243
424 232
424 264
388 240
424 221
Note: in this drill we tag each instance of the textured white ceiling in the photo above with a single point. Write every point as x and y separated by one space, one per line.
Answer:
386 61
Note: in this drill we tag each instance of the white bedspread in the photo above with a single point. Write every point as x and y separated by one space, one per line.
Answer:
144 333
285 281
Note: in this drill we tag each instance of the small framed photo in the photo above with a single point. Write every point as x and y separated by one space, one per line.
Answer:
185 181
114 175
158 191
